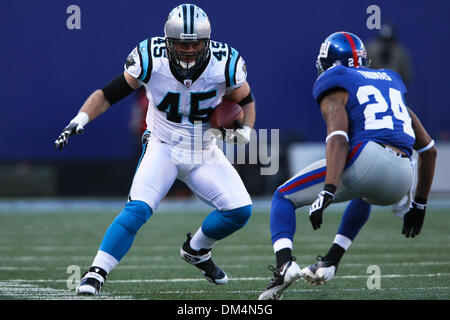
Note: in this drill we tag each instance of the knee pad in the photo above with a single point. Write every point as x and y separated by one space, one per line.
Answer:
239 216
220 224
134 215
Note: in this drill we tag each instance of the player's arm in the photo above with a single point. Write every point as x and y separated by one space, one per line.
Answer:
102 99
243 96
96 104
424 145
334 113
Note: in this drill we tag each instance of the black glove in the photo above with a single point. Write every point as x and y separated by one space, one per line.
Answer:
413 220
323 200
72 129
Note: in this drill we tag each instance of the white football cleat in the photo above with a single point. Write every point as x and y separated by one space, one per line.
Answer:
319 273
283 277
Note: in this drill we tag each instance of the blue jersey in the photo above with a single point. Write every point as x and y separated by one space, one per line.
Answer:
376 107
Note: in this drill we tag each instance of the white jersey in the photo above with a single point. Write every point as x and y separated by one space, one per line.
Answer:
179 109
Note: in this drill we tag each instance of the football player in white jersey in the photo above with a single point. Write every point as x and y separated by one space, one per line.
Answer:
185 75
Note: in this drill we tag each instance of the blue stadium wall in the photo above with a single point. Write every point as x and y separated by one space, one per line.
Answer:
49 70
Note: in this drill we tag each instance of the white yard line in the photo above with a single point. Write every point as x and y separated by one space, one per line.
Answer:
25 290
30 289
170 292
417 275
228 266
264 257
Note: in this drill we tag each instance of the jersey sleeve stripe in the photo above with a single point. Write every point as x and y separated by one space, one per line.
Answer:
140 61
230 68
144 54
227 68
235 67
150 63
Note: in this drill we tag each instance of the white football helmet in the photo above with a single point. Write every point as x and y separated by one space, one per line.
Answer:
187 25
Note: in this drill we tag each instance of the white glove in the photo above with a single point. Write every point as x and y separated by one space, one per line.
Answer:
242 135
76 126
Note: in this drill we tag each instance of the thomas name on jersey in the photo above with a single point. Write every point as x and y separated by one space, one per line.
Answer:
375 75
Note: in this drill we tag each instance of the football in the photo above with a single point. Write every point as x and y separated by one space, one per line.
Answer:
228 115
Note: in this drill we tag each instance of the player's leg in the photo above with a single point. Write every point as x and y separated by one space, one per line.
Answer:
376 176
355 216
217 183
300 190
148 188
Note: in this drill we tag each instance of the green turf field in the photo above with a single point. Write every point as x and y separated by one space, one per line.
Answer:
38 248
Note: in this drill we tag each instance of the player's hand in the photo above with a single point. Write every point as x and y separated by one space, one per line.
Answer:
242 135
316 210
413 220
239 135
72 129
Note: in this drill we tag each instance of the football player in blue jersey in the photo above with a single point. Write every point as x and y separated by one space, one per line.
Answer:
371 135
185 75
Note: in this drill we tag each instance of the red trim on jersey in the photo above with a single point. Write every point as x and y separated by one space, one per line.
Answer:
352 44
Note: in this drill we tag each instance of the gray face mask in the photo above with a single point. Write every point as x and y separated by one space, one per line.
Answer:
187 23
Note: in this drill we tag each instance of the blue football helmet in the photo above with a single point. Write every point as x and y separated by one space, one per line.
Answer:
342 48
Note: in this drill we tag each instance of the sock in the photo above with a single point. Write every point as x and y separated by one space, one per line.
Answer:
201 241
282 256
334 254
355 216
105 261
342 241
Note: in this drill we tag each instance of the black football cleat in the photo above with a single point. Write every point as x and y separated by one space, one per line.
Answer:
202 260
282 278
91 282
